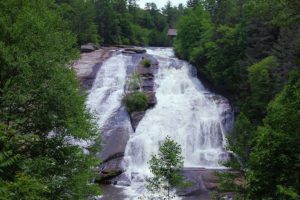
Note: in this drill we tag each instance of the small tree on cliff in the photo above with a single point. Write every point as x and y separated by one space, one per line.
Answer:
166 168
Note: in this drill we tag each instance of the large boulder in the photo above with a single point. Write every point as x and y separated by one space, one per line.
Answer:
136 50
113 146
151 99
136 117
86 48
110 170
128 52
202 181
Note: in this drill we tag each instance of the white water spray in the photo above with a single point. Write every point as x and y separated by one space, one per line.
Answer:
108 89
185 112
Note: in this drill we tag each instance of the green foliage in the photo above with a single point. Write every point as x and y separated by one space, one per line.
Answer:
215 51
247 49
23 187
166 168
122 23
172 14
194 30
275 158
227 182
133 84
42 109
223 54
279 12
137 101
157 38
287 193
146 63
241 140
81 17
262 84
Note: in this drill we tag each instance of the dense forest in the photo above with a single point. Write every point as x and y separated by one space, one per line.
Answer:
248 50
119 22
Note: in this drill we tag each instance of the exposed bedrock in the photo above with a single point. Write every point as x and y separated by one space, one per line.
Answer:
147 75
115 134
86 48
135 50
117 129
88 65
226 111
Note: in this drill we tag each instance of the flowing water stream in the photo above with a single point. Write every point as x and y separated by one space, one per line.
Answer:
187 112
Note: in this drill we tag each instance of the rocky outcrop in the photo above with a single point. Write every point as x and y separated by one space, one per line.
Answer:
151 99
128 52
135 50
115 137
227 113
115 134
201 181
147 75
86 48
88 65
136 117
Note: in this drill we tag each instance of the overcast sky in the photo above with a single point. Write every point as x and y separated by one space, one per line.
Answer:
160 3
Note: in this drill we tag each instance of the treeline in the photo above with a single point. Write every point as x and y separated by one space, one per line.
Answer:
250 50
120 21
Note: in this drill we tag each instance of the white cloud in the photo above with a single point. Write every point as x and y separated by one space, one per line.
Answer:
160 3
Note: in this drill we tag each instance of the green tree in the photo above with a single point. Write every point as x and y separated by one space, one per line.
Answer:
194 31
262 84
274 163
279 12
241 140
81 17
166 168
41 107
223 54
193 3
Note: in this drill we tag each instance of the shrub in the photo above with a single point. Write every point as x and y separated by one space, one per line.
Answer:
146 63
133 83
137 101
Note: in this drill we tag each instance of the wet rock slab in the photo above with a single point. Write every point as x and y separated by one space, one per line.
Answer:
135 50
86 48
227 114
88 65
136 117
147 75
201 181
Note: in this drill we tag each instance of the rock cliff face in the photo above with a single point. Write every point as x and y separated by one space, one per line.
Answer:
88 65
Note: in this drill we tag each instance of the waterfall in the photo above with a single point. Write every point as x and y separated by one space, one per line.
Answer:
186 112
108 89
191 115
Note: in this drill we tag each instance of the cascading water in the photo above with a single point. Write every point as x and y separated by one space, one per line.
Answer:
108 89
184 111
